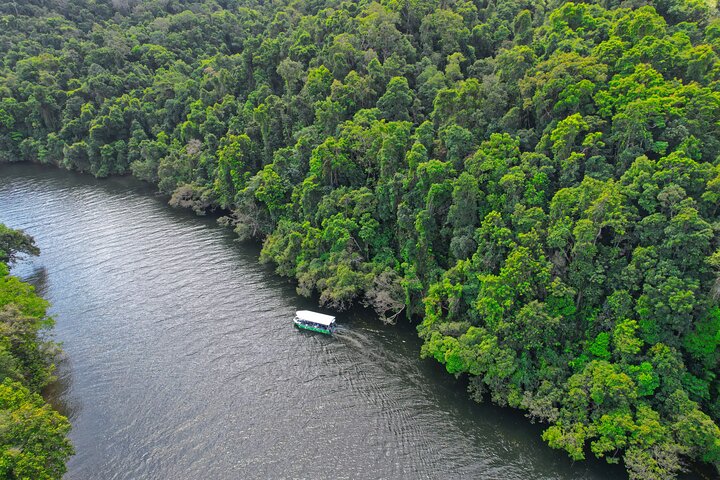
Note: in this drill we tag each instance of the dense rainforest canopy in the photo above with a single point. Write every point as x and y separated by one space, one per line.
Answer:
538 182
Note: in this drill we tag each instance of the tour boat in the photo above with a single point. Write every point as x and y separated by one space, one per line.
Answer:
316 322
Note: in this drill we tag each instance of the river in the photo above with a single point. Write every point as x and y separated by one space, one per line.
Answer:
182 361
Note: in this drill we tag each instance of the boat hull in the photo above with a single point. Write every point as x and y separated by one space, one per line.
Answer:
312 329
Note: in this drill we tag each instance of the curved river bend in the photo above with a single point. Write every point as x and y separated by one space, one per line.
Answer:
182 361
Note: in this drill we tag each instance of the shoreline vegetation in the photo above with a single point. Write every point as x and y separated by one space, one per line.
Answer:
33 436
536 184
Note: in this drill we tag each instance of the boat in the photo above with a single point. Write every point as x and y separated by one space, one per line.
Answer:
313 321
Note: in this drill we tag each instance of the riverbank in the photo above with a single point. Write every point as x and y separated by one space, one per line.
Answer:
33 436
183 360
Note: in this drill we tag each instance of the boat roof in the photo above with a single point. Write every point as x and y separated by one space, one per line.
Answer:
315 317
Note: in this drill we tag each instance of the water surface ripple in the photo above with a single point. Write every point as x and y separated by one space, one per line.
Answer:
182 362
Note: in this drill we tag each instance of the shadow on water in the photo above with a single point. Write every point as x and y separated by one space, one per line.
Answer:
38 278
56 392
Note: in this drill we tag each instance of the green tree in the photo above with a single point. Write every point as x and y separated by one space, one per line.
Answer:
33 438
14 242
396 101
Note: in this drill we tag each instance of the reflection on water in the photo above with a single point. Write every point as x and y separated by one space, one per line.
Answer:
38 277
56 392
183 363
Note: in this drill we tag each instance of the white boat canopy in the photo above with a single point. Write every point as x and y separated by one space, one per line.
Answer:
315 317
